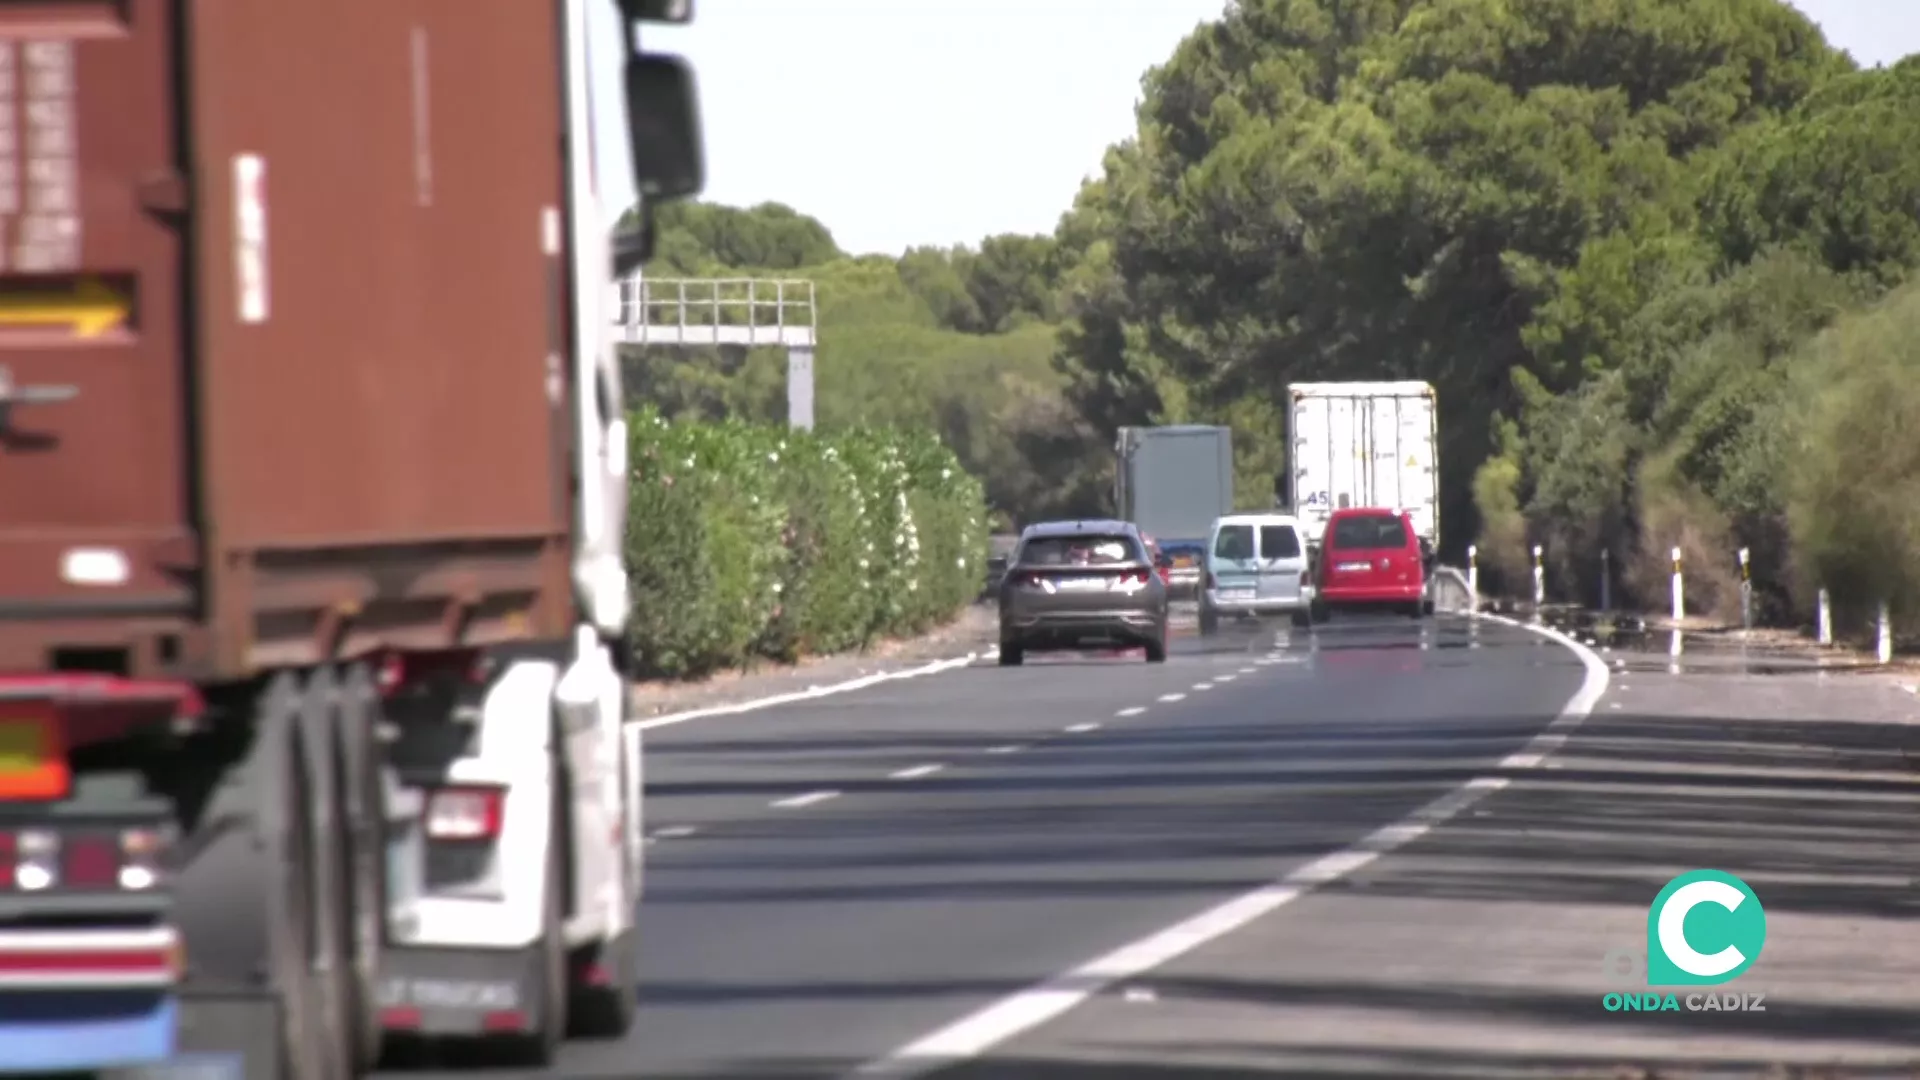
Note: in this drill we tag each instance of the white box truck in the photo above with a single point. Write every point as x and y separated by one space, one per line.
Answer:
1364 444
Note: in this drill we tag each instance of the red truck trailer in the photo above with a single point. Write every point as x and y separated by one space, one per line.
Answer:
310 702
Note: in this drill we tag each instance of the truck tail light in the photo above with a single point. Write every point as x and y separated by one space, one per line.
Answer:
468 812
398 670
40 860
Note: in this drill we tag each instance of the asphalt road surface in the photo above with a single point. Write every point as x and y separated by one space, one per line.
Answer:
1281 853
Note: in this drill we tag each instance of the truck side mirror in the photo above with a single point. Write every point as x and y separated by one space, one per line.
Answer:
633 243
663 124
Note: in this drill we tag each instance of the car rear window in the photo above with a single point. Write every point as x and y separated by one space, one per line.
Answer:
1088 550
1234 542
1279 542
1366 532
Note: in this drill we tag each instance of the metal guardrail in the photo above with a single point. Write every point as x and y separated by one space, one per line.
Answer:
716 311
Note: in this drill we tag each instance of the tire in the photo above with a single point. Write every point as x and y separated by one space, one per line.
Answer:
1319 612
1157 648
1209 621
329 935
365 821
1012 654
607 1012
243 899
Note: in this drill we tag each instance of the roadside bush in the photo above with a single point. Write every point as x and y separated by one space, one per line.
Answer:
1853 483
753 541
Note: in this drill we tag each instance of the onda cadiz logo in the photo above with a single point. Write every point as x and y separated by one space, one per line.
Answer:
1705 928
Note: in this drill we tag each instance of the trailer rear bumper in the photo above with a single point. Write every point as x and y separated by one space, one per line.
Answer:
461 992
63 1031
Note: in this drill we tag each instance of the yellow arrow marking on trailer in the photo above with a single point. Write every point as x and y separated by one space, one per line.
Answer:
89 309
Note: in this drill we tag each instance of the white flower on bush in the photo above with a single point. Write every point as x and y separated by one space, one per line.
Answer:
689 461
778 588
946 474
774 455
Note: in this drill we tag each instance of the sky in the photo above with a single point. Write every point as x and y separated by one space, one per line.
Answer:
900 123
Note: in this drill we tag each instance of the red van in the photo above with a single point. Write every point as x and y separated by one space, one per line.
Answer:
1371 558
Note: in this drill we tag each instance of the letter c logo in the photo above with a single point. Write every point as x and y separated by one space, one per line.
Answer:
1673 928
1740 922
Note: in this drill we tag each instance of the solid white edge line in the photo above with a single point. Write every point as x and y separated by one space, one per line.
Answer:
811 693
1024 1010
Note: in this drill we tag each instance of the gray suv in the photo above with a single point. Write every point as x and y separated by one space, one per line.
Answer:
1072 584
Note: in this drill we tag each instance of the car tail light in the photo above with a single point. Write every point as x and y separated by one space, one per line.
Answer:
465 813
37 860
1133 577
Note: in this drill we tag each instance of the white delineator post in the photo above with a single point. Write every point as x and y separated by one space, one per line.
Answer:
1539 579
1885 634
1473 578
1746 592
1679 589
1825 629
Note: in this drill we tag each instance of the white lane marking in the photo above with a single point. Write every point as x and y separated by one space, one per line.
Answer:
1135 711
672 832
1010 748
1246 671
1203 686
1173 697
915 772
1082 729
796 801
812 692
1225 678
1024 1010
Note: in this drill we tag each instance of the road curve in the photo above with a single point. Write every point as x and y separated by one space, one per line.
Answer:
834 879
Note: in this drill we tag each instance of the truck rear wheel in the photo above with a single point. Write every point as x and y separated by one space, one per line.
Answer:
245 895
364 917
330 942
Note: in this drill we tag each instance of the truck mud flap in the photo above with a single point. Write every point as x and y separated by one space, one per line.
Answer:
442 993
222 1036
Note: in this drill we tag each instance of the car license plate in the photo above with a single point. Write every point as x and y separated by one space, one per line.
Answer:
1236 594
1082 584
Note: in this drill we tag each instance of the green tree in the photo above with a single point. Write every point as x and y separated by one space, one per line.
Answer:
1448 190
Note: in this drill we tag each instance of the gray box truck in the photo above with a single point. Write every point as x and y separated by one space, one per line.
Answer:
1173 482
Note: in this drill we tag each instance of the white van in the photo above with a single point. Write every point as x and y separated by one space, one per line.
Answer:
1256 564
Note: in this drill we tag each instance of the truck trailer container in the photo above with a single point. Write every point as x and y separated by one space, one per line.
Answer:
1173 482
312 509
1364 444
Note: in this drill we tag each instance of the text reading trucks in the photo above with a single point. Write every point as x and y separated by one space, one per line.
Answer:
312 507
1362 444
